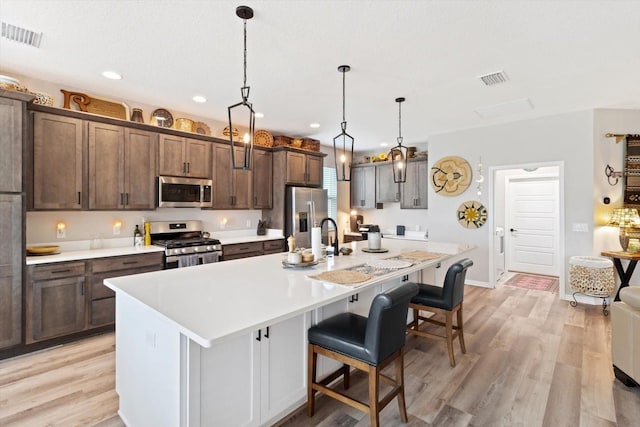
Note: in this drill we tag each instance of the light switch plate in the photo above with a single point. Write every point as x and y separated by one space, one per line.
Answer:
580 227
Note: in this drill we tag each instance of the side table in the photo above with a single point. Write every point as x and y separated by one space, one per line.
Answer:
625 275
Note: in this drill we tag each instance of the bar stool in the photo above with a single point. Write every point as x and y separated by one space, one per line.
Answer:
445 300
368 344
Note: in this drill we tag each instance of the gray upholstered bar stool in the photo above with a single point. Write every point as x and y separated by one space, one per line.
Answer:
445 300
368 344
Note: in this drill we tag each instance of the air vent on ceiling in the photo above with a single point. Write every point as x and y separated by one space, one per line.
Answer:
21 35
494 78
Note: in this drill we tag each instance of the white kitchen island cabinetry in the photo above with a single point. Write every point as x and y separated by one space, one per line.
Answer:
187 348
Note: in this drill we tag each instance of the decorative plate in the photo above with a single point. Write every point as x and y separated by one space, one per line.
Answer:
43 250
375 251
471 214
263 138
389 264
287 264
450 176
162 118
201 128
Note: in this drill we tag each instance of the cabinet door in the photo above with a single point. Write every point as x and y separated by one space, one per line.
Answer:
283 365
11 251
360 303
314 171
222 182
363 183
140 160
198 158
172 155
262 179
414 191
386 189
241 186
106 166
11 145
296 168
228 382
57 162
57 308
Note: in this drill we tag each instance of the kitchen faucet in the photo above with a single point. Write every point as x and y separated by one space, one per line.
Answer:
336 252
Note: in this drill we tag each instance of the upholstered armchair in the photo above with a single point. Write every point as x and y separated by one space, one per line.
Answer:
625 336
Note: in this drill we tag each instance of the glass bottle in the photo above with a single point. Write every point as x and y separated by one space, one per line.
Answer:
137 237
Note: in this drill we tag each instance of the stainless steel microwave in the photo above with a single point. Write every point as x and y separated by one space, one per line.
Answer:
179 192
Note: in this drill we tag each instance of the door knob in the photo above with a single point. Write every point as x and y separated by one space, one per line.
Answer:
512 230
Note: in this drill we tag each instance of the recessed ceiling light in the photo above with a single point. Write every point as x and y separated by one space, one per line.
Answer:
111 75
259 115
199 98
314 125
383 144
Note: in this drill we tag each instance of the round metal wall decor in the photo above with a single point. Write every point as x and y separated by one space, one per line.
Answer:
450 176
471 214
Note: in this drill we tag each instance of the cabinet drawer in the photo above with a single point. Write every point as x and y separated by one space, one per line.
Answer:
273 246
103 311
99 290
242 248
127 262
58 270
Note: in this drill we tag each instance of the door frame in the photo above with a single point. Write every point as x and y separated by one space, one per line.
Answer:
493 170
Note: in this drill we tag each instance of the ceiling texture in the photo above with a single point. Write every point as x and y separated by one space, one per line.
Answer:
559 56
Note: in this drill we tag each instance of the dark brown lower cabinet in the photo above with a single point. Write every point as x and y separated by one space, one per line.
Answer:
250 249
55 300
69 297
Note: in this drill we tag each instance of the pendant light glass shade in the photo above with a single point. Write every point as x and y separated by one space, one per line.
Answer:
241 115
398 153
344 141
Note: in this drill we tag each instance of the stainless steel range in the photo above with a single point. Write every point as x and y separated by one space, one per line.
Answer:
185 243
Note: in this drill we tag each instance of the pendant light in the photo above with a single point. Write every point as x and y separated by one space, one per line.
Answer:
242 114
344 139
398 153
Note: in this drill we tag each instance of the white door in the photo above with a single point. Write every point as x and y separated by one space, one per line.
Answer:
533 223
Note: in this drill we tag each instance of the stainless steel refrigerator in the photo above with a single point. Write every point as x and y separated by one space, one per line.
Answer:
301 204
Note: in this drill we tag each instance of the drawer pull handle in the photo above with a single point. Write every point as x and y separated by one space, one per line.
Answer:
61 271
129 262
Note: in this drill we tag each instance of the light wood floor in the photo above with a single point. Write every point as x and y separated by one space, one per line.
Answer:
532 360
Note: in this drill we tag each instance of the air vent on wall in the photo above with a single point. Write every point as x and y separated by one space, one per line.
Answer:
21 35
494 78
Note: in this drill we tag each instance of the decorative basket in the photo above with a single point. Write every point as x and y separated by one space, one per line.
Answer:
591 275
280 140
310 144
263 138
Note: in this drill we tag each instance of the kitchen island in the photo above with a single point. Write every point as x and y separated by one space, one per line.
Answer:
225 343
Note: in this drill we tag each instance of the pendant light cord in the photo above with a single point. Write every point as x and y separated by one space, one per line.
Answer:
399 123
245 53
343 96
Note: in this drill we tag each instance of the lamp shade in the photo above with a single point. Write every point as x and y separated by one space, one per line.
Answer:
625 217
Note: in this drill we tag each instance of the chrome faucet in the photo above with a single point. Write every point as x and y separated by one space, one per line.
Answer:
336 252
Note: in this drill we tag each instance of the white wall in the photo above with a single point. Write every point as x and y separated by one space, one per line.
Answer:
565 138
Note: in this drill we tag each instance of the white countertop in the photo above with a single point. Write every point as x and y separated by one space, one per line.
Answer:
246 236
76 255
209 303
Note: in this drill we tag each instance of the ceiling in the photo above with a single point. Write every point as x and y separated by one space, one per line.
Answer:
560 55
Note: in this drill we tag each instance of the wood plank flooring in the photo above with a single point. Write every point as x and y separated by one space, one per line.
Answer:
532 360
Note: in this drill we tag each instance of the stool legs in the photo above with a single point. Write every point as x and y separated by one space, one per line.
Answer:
461 331
312 358
374 376
400 380
451 331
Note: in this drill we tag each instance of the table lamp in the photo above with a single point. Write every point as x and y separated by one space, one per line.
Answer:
623 218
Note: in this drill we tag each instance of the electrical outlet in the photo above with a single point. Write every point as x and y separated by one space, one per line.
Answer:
61 233
116 228
580 227
248 223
